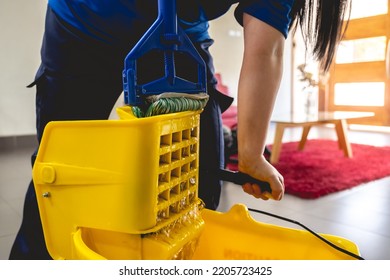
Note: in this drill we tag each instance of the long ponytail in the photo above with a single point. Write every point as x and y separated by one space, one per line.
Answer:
321 23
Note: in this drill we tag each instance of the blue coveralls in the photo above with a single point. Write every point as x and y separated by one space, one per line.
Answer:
80 78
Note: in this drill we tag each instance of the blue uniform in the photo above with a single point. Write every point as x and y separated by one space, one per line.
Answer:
80 77
109 20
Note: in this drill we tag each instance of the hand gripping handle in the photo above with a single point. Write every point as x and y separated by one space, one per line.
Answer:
240 178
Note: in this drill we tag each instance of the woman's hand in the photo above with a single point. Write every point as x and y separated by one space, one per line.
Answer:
261 169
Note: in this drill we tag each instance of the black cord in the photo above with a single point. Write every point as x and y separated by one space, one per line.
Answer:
309 230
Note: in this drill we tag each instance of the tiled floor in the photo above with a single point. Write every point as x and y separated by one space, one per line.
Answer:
361 214
15 170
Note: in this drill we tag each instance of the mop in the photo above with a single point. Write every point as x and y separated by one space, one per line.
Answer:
171 93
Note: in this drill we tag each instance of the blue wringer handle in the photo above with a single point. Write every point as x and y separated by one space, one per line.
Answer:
164 35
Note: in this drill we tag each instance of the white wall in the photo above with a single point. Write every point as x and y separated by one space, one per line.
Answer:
227 51
300 57
21 29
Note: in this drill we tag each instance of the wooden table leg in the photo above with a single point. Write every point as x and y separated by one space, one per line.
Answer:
341 130
277 146
305 133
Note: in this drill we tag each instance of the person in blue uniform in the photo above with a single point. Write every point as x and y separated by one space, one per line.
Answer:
80 78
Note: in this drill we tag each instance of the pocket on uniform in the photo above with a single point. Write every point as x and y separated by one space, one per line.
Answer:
38 76
222 99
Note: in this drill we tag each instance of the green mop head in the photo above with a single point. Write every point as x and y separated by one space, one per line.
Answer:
170 102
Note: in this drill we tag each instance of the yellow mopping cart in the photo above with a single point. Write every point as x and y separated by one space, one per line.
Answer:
128 188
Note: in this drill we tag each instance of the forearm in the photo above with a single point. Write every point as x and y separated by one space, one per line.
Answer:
258 86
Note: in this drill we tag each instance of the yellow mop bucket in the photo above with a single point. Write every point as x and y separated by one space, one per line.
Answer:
128 189
129 176
234 235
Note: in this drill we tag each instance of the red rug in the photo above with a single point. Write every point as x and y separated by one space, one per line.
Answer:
321 168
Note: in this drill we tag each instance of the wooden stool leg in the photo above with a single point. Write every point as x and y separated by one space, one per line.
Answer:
305 133
341 129
277 146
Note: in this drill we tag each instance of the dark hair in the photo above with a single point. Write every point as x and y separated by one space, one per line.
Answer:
321 23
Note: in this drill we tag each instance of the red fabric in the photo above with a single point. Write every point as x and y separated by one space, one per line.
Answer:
220 85
321 168
229 117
